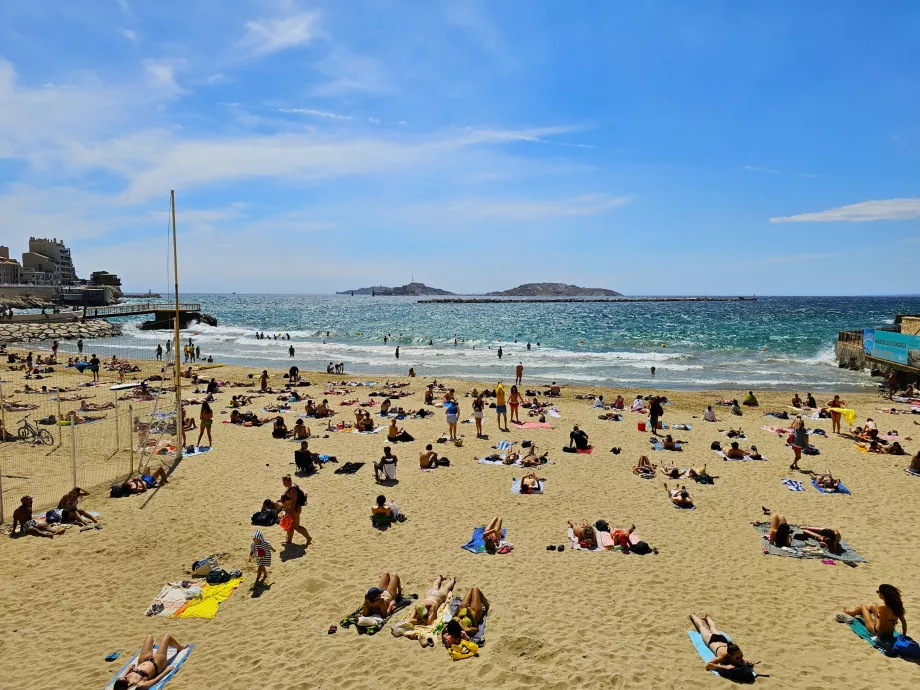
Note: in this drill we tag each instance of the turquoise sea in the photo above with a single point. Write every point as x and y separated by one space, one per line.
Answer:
774 342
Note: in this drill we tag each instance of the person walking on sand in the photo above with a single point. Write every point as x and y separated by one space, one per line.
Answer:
799 441
261 550
518 373
292 502
263 380
207 419
478 411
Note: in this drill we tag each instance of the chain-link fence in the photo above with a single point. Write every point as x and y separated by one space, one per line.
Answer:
68 426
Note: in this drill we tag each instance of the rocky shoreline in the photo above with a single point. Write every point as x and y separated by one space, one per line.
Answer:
13 332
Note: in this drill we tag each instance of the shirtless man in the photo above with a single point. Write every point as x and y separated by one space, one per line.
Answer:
428 459
426 611
22 516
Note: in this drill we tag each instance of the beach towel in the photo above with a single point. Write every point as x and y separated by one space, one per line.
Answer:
349 468
746 458
172 597
516 487
841 489
532 425
706 654
849 416
881 644
415 631
479 637
374 431
910 471
476 544
575 546
660 446
683 427
801 548
207 605
585 451
793 484
174 658
775 429
492 460
553 412
503 445
352 618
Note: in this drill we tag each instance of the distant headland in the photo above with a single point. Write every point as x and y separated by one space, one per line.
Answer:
409 290
553 290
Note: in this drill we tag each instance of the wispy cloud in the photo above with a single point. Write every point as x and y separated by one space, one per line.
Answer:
130 34
313 111
758 169
123 4
349 73
865 211
798 257
585 205
162 74
271 35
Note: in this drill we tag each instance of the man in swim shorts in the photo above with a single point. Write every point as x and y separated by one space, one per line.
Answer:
501 409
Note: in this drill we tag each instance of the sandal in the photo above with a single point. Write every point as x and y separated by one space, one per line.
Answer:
332 630
560 548
551 547
843 618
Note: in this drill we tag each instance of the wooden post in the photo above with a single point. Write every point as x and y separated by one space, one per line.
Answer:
73 452
131 436
117 439
179 420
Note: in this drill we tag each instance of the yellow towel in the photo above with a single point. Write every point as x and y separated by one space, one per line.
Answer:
207 605
426 631
848 415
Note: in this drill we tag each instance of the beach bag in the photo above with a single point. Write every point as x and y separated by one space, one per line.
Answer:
443 462
811 450
205 566
53 516
715 446
286 523
641 548
301 497
265 518
602 526
219 577
905 647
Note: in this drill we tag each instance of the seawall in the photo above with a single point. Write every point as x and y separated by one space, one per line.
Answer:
11 332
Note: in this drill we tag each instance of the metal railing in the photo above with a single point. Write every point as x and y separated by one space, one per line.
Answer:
142 308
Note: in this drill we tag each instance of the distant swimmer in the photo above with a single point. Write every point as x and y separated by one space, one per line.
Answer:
397 352
500 352
652 370
528 345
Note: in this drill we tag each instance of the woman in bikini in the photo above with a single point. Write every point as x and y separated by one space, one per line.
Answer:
493 535
728 654
478 408
780 532
466 621
381 600
585 534
828 538
207 419
514 402
826 481
645 467
835 416
530 483
881 620
71 512
150 666
679 497
426 610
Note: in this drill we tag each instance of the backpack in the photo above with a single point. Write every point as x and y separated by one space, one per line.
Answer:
265 518
905 647
602 526
53 516
301 497
217 577
715 446
641 548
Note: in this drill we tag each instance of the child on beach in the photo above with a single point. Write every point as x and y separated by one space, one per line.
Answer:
262 550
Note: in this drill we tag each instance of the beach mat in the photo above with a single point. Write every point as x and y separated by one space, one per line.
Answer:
352 618
841 489
206 606
797 548
881 644
575 546
171 598
476 544
911 472
793 484
706 654
532 425
174 658
516 488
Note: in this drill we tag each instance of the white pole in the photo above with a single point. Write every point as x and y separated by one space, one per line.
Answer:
131 435
73 450
179 424
117 440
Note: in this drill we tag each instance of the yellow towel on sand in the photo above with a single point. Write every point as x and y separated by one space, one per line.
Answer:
849 415
206 607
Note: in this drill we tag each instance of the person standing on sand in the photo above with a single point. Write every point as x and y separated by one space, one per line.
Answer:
799 440
655 412
501 410
478 410
80 346
207 419
835 416
94 367
262 551
518 373
159 352
292 502
263 380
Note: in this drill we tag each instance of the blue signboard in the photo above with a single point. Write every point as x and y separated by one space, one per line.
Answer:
892 347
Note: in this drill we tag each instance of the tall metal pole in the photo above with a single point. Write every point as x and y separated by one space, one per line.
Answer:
131 436
179 424
73 451
5 432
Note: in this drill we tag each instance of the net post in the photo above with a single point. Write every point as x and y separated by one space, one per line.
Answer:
117 439
60 428
131 437
73 451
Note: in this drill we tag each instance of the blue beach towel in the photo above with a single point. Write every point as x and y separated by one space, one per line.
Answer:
705 652
793 485
503 445
476 544
659 446
841 489
174 658
910 471
882 645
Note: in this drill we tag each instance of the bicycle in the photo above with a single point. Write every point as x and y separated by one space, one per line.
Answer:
28 431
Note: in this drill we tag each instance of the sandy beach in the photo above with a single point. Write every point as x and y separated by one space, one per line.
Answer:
558 620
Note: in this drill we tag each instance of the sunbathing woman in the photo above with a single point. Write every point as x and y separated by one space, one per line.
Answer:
381 600
531 459
728 654
280 430
301 430
679 497
136 485
645 468
467 619
74 418
895 449
493 535
826 481
584 534
827 537
780 532
530 483
426 611
881 620
670 444
95 407
150 666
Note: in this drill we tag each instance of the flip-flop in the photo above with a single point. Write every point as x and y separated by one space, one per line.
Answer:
842 618
560 548
113 656
332 630
551 547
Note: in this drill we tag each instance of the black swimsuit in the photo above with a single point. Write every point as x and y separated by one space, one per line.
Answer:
716 638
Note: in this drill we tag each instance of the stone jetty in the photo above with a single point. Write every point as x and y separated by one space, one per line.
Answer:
32 331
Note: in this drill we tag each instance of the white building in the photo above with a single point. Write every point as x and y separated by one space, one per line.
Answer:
48 257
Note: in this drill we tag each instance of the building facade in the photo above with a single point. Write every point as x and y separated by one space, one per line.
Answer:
48 257
10 270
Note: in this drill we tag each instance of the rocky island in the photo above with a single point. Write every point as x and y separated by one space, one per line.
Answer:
410 290
554 290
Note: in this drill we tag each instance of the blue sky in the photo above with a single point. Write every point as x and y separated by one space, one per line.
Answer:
648 147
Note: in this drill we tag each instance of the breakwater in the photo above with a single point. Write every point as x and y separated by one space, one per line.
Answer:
13 332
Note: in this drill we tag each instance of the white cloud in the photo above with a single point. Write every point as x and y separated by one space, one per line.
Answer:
755 168
349 73
123 4
130 34
162 75
887 209
271 35
585 205
218 78
317 113
373 120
